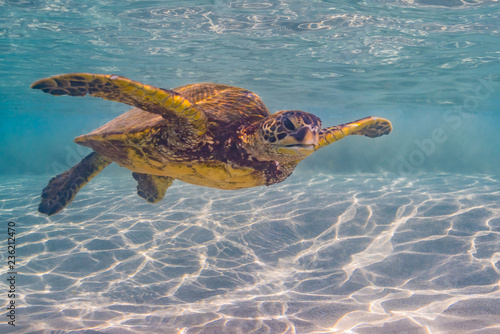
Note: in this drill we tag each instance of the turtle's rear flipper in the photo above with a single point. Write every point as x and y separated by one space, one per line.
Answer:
369 126
152 187
62 189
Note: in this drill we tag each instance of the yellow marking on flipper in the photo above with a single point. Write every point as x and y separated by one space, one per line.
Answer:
370 126
177 101
141 93
185 105
112 87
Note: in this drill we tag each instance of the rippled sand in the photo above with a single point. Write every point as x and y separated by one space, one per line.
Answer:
346 254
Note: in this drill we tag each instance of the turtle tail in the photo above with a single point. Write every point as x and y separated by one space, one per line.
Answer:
62 189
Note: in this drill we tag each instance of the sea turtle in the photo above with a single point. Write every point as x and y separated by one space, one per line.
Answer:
206 134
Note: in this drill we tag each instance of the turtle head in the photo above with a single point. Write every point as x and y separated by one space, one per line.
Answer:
286 136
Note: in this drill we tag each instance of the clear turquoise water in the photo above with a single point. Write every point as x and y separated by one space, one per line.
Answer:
395 234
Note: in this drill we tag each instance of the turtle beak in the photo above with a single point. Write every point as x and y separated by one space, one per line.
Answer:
303 142
306 136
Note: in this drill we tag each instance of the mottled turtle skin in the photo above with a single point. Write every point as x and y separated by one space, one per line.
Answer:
206 134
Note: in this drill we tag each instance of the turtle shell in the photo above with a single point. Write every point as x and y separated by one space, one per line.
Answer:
151 144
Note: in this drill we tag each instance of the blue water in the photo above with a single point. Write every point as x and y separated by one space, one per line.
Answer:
388 235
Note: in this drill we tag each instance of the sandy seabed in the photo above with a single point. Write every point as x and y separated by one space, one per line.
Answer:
343 254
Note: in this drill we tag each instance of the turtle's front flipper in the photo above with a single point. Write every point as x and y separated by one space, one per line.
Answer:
152 187
62 189
169 104
370 126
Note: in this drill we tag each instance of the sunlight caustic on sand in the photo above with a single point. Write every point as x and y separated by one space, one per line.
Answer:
300 256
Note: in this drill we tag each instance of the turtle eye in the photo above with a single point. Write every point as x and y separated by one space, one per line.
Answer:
287 123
